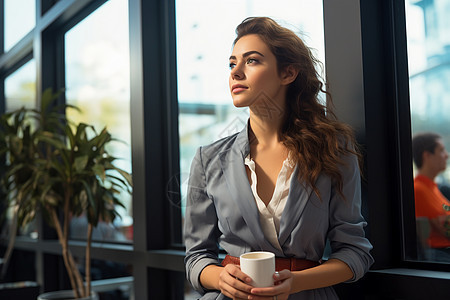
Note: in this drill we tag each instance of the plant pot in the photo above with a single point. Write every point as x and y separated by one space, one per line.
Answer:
65 295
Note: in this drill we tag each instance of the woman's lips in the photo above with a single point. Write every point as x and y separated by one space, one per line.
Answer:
237 88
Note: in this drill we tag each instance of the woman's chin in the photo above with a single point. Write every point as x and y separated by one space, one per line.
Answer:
238 103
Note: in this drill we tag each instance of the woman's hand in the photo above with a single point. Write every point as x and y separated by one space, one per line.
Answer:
233 282
281 289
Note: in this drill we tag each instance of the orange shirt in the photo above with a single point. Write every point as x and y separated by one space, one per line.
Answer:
431 203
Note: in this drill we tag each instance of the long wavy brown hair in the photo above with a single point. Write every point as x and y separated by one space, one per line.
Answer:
310 129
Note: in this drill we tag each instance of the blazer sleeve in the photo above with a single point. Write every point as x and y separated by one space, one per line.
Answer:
201 226
346 235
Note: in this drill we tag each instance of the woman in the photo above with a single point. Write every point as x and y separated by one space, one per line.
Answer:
285 184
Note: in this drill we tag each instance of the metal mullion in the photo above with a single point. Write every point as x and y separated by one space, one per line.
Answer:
13 59
153 96
2 27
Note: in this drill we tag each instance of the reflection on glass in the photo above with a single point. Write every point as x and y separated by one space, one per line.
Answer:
97 81
205 33
20 18
20 87
429 73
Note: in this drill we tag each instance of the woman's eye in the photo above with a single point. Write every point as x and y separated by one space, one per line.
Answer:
251 60
232 65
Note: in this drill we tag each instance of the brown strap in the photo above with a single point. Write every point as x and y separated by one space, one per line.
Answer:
281 263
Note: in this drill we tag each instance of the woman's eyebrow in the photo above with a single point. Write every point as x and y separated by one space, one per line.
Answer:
247 54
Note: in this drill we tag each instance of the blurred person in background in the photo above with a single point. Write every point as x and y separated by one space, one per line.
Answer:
430 158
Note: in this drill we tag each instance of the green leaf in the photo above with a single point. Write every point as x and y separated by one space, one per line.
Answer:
80 135
83 198
47 98
89 191
125 175
51 199
119 182
51 139
99 170
80 163
70 136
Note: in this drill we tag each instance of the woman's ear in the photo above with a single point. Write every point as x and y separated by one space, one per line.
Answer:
289 74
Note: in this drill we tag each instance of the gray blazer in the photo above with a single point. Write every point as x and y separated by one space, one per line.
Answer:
221 212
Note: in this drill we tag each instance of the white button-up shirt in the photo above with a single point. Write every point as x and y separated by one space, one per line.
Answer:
270 215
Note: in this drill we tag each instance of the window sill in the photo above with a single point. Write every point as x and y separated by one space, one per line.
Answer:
403 283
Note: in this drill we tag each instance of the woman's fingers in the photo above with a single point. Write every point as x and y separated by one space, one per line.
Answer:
235 271
233 282
282 275
281 289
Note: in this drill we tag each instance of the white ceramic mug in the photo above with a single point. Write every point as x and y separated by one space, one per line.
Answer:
260 266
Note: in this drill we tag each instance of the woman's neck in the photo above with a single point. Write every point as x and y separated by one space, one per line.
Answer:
265 131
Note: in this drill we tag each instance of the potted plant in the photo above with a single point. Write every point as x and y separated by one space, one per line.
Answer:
64 170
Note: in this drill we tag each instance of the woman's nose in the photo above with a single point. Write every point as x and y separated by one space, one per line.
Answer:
236 72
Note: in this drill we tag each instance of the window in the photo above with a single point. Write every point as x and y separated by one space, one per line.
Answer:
362 61
429 75
18 21
98 82
20 91
205 33
20 87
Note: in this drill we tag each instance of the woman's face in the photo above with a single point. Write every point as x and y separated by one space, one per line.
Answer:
254 77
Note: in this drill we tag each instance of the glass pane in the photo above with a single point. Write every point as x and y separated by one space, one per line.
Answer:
429 74
98 82
21 272
20 18
120 285
20 87
20 91
205 33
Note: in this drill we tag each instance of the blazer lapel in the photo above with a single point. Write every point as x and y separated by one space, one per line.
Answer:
233 167
295 204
